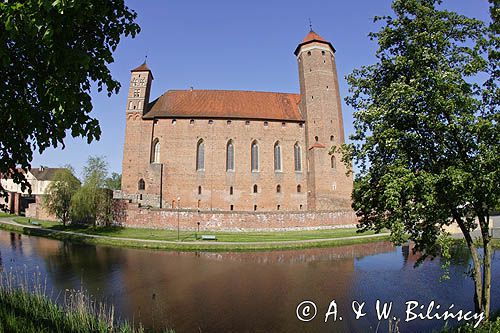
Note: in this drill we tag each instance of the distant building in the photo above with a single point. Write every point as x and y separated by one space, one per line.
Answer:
25 203
219 150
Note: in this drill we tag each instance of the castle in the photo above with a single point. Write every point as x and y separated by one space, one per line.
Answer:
248 151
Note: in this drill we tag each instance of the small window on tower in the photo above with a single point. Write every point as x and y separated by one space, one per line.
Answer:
137 92
266 124
174 121
323 52
308 53
229 122
210 122
331 137
247 122
191 122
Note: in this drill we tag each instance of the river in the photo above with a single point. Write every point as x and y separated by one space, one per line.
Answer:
248 292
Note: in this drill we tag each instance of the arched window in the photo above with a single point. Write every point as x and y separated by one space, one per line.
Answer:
230 156
316 138
255 156
141 185
199 189
231 190
255 188
156 151
277 157
299 188
278 188
297 157
334 163
200 155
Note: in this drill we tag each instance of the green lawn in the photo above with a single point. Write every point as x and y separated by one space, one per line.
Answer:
2 214
171 235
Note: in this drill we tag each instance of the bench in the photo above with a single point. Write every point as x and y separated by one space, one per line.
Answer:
208 237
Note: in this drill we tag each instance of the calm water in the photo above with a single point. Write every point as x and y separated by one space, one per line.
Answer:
247 292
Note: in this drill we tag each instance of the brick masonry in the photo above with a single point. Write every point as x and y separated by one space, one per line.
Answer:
131 215
311 197
36 210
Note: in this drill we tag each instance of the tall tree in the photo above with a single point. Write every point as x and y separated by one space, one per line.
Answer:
51 53
114 182
59 193
92 202
426 141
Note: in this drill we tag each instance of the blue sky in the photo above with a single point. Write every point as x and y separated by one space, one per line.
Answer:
239 45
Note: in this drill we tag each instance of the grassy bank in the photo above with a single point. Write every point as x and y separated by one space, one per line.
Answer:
171 235
24 307
244 241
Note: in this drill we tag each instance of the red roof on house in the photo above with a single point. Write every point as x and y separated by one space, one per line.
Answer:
232 104
310 38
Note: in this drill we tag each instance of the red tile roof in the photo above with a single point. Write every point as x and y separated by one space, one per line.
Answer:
317 145
231 104
310 38
142 68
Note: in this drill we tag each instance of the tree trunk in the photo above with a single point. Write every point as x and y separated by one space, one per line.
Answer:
476 270
485 297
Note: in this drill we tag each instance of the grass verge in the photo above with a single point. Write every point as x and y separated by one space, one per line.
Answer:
171 235
269 240
24 307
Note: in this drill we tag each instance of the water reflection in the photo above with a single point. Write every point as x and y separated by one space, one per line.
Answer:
259 291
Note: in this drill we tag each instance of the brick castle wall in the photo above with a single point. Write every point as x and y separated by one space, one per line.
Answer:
132 215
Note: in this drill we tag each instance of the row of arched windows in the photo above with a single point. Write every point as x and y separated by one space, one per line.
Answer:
254 150
254 156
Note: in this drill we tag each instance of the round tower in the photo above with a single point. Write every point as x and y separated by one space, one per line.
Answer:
328 186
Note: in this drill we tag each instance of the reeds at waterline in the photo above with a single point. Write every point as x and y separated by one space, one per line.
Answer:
26 307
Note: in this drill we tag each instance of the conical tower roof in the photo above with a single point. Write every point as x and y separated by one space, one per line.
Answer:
311 38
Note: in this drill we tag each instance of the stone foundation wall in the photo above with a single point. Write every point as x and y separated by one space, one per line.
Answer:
133 215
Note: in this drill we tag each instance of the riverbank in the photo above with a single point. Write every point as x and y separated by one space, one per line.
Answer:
24 307
189 241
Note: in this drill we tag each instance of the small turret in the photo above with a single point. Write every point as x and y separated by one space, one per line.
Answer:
140 87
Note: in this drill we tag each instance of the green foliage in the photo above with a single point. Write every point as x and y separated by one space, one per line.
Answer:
426 132
51 53
92 203
59 193
25 307
114 182
425 145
